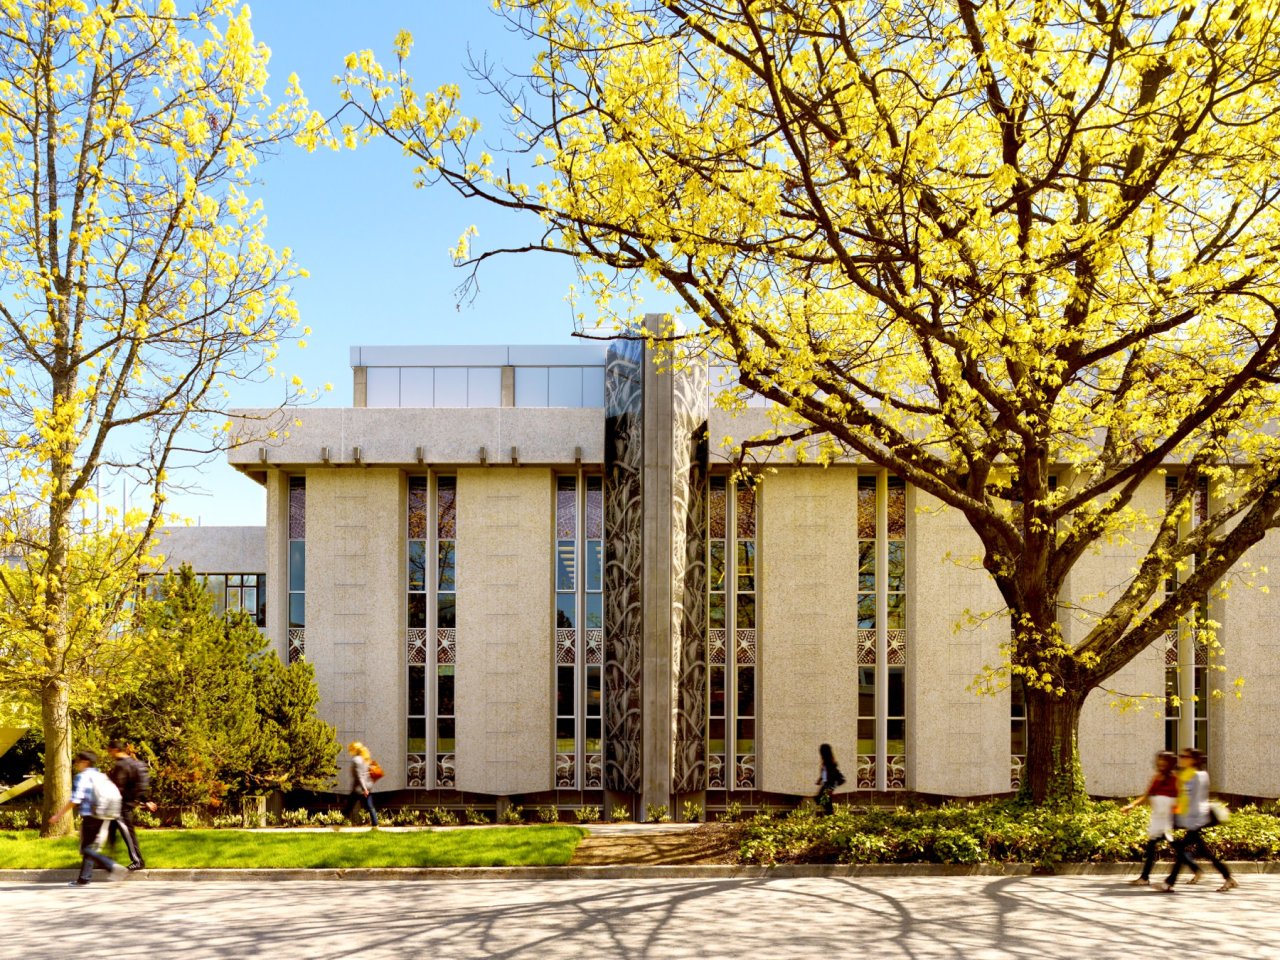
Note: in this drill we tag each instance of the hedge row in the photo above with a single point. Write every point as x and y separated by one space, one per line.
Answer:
993 832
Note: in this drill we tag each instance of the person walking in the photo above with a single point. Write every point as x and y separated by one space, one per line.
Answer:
88 782
1161 796
1193 816
361 783
829 777
133 780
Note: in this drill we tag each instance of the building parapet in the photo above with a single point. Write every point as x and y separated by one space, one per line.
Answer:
409 437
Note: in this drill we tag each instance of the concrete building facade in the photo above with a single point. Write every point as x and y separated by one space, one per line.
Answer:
529 573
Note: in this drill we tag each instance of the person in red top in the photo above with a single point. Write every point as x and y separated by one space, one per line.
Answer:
1161 795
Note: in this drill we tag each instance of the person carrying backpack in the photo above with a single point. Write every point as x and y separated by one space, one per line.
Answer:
99 803
131 777
829 778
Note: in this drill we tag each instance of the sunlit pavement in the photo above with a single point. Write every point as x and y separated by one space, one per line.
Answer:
881 918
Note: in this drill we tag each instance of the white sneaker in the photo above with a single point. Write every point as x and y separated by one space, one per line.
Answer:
119 871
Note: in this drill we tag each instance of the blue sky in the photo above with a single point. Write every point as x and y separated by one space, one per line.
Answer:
376 248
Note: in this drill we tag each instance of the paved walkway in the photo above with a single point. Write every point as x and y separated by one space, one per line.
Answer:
959 918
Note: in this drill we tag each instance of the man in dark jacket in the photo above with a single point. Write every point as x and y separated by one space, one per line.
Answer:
132 779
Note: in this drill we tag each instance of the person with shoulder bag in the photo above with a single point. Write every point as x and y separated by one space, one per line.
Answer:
829 778
1193 815
361 782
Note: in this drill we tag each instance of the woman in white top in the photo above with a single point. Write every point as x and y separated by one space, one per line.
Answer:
1193 816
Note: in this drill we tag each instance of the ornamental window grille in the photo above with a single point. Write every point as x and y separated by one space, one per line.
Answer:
882 642
732 640
431 641
1186 646
297 602
578 632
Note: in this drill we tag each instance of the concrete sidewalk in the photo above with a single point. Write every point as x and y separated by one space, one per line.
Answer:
1097 917
788 871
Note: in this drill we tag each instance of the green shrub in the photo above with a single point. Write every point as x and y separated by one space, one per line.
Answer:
620 814
512 815
732 813
146 819
443 817
190 820
1000 831
587 814
549 813
295 818
656 813
20 818
691 811
328 818
476 816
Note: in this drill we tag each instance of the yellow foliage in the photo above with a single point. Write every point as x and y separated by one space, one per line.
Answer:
135 283
985 246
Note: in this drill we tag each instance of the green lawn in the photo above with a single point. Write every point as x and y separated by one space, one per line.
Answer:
170 849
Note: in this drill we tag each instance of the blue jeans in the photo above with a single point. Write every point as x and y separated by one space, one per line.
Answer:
357 797
92 832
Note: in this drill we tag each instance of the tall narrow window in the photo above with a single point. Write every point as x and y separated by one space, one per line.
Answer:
1017 732
1017 691
1186 647
896 634
882 632
446 627
731 636
419 637
868 633
717 631
432 598
297 604
593 653
579 632
744 631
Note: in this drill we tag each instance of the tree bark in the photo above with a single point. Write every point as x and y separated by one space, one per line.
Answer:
55 715
1052 775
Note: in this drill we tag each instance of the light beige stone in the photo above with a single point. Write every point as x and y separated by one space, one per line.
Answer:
355 634
277 561
504 653
395 436
1117 742
808 680
1244 749
214 549
958 741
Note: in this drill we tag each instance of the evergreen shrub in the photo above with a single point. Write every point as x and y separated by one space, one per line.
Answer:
999 831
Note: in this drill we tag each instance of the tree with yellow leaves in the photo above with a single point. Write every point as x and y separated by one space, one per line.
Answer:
986 246
135 281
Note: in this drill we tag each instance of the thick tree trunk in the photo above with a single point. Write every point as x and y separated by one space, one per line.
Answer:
1052 775
55 714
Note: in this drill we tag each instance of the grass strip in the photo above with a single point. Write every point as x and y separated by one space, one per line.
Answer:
532 846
